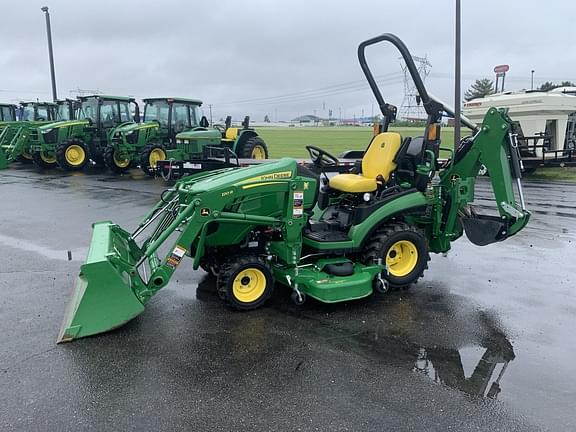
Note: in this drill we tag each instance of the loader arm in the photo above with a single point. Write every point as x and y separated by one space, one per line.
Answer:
494 146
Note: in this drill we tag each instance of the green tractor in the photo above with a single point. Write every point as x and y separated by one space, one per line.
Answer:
7 114
147 142
243 141
206 149
70 144
332 239
18 134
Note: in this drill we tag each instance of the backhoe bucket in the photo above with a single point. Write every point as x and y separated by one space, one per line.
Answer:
102 298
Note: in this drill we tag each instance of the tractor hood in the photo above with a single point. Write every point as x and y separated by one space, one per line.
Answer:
199 133
131 127
45 128
245 178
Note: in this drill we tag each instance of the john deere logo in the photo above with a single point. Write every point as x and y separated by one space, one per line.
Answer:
205 212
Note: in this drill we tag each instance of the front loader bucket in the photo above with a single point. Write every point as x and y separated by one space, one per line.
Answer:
102 298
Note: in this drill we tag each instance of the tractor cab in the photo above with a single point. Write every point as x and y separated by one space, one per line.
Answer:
174 115
7 112
67 109
107 112
37 111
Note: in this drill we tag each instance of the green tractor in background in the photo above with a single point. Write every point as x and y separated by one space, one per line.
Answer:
147 142
71 144
20 128
174 129
204 149
243 141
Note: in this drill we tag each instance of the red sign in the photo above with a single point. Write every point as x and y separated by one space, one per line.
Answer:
501 68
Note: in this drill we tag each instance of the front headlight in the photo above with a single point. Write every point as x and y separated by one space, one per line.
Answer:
179 141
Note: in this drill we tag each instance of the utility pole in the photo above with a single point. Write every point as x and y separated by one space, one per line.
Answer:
532 79
457 59
50 52
210 106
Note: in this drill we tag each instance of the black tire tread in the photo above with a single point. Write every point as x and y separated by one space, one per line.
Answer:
374 248
226 273
245 150
108 157
61 154
41 163
144 157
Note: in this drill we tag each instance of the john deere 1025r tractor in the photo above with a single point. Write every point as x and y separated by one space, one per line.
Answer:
71 144
332 239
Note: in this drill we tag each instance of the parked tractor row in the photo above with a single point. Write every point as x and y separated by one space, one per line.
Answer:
106 130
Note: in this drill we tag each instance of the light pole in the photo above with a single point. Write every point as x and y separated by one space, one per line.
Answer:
457 78
532 79
50 52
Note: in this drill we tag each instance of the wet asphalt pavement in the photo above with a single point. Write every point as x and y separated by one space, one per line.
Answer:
485 341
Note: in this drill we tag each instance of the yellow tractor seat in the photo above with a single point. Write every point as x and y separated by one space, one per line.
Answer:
231 134
377 166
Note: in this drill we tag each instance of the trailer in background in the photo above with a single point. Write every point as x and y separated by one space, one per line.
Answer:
546 123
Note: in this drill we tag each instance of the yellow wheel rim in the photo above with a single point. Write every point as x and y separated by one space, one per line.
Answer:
249 285
402 258
26 155
119 162
156 155
75 155
258 152
48 159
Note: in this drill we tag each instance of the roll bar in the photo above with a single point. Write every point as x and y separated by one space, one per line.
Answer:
434 107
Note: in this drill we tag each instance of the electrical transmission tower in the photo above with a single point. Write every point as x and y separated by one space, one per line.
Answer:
411 108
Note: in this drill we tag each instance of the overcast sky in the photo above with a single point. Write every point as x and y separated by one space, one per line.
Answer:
281 58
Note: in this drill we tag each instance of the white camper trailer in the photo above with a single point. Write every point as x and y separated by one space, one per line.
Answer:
547 121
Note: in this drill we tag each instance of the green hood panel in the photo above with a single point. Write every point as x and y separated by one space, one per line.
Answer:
131 127
199 134
63 124
283 169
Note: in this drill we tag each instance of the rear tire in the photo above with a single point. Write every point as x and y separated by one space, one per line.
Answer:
404 250
245 282
72 154
151 154
253 148
44 162
115 164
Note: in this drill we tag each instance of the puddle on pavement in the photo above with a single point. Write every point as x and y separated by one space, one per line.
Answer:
471 356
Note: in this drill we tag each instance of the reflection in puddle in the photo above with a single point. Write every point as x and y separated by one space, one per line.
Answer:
448 367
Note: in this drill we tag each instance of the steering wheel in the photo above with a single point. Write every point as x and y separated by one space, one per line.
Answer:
321 158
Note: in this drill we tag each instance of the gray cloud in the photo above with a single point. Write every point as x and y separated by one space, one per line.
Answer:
225 52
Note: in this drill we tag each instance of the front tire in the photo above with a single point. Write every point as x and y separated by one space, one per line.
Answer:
253 148
151 154
245 282
43 161
404 250
115 163
72 154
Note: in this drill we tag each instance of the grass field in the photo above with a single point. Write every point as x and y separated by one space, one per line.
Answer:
283 141
292 142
